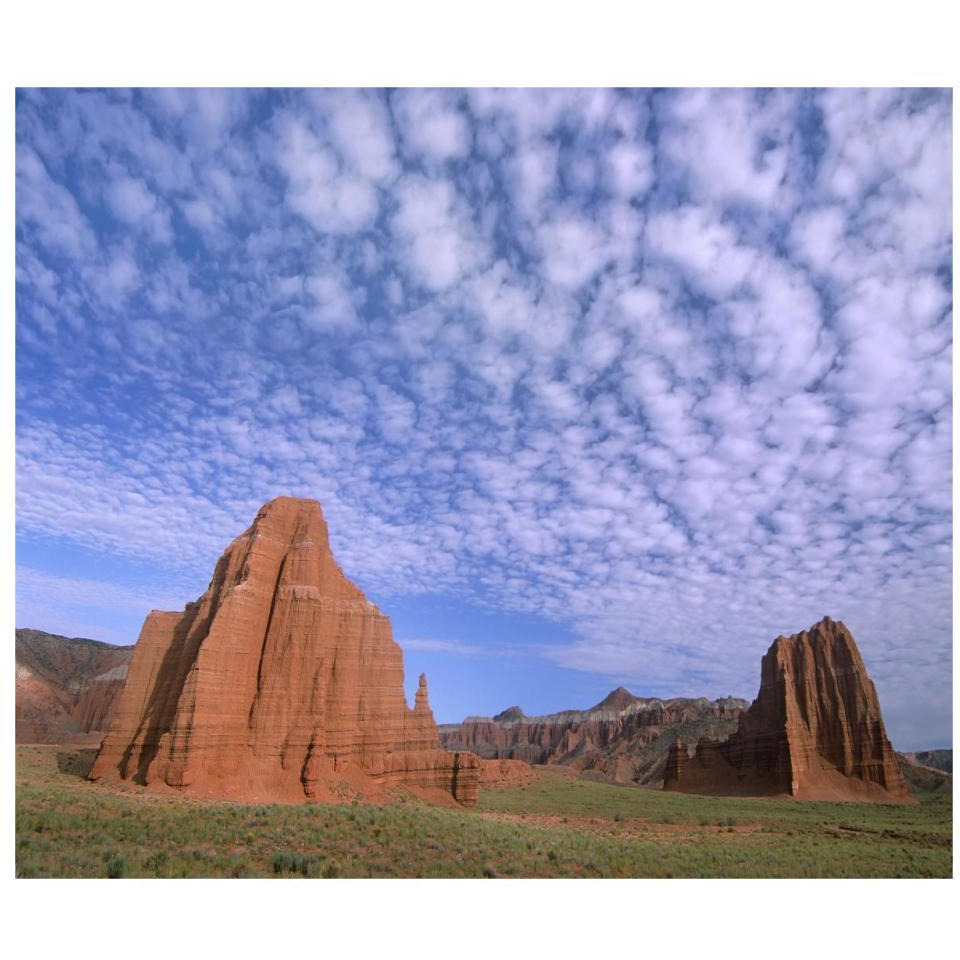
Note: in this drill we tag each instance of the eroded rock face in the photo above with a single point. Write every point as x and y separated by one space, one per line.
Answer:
814 732
496 774
95 705
66 687
623 738
280 683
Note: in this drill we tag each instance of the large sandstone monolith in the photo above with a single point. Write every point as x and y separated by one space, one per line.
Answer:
814 732
281 683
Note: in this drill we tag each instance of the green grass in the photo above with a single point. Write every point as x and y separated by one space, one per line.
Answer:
556 827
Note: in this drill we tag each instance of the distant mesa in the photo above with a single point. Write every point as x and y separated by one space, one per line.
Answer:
814 732
623 738
281 683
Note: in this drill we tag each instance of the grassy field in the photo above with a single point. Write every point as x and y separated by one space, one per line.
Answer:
558 826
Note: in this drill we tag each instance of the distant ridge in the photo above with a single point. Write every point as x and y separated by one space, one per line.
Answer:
623 738
66 686
618 699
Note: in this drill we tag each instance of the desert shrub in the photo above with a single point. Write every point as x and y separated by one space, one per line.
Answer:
157 862
285 862
116 866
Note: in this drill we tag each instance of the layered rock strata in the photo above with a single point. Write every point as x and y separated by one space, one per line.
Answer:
624 738
280 683
66 687
814 732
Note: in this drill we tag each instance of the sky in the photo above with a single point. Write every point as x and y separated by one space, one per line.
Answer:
595 387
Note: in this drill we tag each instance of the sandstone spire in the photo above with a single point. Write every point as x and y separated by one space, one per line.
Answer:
815 730
280 683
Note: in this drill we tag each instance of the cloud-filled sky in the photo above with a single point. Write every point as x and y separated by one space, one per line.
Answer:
594 386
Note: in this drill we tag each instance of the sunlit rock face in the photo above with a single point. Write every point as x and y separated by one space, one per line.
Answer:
280 683
814 732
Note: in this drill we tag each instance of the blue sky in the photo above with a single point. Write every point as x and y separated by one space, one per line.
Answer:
595 387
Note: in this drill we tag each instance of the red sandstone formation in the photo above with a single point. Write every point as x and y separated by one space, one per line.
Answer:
66 687
624 738
814 732
281 683
95 705
505 773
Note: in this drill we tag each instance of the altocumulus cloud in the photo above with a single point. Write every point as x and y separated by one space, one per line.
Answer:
671 369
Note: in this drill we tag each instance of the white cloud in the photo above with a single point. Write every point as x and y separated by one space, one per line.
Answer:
630 168
330 304
329 198
137 206
574 250
432 124
704 246
734 143
50 208
437 241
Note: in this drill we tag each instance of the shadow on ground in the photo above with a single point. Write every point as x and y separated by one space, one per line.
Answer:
76 763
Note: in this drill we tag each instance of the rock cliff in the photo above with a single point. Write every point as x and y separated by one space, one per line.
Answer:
624 738
66 687
280 683
814 732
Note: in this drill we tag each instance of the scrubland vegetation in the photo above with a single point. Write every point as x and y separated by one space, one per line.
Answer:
558 826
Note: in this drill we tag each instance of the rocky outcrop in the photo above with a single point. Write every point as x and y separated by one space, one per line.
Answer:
941 760
496 774
66 687
624 738
923 777
814 732
280 683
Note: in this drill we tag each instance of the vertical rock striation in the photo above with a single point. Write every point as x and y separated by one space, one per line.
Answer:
280 683
814 732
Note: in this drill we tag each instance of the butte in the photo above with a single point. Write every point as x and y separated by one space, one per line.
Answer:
814 732
281 683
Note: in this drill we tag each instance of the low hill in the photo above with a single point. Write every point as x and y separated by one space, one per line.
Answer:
66 686
925 778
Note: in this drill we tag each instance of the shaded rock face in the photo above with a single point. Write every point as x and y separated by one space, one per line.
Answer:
280 683
624 738
66 688
814 732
